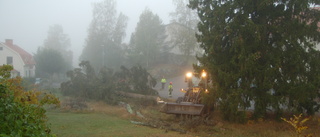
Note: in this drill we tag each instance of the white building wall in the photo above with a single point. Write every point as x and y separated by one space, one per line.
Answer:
17 61
29 72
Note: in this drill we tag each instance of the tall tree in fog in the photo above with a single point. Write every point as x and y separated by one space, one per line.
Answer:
261 51
54 57
49 62
59 41
148 38
106 32
184 27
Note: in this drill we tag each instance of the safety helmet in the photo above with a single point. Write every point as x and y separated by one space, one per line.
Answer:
170 82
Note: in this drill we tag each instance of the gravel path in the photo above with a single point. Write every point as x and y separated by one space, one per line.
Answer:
177 82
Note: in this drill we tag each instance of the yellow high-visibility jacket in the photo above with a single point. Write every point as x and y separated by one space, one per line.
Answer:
170 87
163 80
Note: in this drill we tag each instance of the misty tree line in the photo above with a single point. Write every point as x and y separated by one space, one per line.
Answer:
254 51
105 56
150 44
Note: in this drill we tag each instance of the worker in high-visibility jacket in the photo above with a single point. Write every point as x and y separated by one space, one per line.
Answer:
170 89
163 82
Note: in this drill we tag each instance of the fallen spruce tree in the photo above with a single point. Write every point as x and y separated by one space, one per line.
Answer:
86 83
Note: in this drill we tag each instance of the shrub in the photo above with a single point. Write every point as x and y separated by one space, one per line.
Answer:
298 124
22 112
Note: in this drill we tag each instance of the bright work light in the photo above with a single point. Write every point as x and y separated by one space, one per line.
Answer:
203 74
189 75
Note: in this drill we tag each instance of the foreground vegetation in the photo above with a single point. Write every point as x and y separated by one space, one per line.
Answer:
82 114
22 112
100 119
84 117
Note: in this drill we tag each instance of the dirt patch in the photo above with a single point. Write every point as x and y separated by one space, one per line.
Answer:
101 107
73 104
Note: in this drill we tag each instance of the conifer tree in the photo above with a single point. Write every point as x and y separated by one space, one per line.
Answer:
261 52
147 39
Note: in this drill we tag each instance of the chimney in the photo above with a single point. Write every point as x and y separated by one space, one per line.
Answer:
9 42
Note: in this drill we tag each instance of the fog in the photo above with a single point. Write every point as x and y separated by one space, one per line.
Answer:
27 22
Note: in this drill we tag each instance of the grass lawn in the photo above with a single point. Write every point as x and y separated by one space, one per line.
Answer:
69 124
113 121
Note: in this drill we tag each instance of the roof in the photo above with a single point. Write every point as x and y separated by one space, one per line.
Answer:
26 57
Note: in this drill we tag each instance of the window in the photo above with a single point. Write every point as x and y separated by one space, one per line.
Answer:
9 60
1 48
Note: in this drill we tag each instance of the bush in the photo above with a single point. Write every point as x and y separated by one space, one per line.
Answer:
22 112
18 119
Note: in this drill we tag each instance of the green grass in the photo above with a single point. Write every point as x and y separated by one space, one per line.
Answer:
71 124
68 124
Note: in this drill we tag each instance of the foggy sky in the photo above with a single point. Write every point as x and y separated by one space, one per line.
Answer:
27 21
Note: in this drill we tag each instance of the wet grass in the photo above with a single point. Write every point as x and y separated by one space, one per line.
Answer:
70 124
103 120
